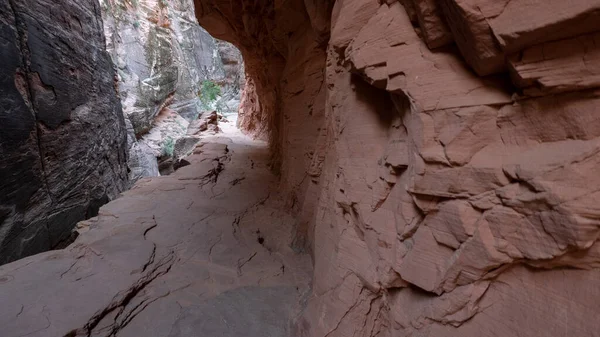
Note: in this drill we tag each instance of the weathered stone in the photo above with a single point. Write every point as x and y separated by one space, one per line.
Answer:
434 29
560 66
433 201
378 57
184 146
62 134
162 57
468 21
524 23
486 31
142 162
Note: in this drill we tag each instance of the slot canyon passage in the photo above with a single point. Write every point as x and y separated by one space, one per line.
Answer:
406 168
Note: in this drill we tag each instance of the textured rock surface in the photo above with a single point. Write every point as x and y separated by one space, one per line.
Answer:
486 31
62 134
434 201
233 80
162 57
202 252
433 26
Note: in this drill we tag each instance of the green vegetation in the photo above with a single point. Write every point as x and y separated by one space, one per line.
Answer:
209 92
168 147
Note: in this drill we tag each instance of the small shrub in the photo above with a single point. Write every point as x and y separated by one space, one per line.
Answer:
168 147
209 92
136 24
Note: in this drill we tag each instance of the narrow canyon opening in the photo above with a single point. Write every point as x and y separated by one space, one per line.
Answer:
175 81
406 168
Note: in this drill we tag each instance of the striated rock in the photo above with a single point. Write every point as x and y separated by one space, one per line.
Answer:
435 32
429 186
62 134
162 58
486 31
560 66
250 116
347 19
448 84
142 162
469 22
434 200
524 23
184 146
473 193
234 78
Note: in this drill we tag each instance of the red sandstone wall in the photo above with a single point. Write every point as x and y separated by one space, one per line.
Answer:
450 191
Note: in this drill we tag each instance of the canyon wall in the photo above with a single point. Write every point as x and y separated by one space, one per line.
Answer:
162 58
440 157
62 133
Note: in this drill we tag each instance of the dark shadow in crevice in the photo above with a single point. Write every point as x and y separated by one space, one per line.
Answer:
379 99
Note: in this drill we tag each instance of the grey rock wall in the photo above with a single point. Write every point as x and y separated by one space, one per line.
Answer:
62 132
162 57
234 78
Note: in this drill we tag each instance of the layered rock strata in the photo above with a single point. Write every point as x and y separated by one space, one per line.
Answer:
62 133
436 200
439 160
161 56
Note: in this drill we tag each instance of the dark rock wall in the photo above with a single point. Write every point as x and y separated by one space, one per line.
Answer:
62 132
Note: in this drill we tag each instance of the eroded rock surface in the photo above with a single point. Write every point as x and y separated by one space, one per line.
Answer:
161 55
62 134
162 58
234 78
202 252
439 156
443 188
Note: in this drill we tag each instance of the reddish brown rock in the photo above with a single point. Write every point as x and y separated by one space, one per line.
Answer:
433 201
409 6
522 23
468 20
435 31
347 19
486 31
559 66
390 55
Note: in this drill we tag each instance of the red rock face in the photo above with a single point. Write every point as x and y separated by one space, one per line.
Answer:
436 200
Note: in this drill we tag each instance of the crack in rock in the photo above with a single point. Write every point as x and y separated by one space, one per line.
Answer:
242 263
122 299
